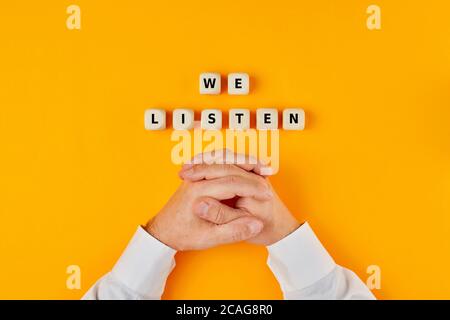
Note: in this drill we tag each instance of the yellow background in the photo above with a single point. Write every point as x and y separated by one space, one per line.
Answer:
78 172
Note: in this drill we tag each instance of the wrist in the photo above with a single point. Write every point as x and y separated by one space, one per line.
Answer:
153 228
285 226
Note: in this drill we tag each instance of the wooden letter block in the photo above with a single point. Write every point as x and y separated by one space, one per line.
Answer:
267 119
183 119
210 83
293 119
211 119
239 119
238 83
155 119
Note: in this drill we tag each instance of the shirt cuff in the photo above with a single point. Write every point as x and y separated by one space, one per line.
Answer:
145 265
299 260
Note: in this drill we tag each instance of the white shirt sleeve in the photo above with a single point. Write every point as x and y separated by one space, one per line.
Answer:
139 274
300 263
305 270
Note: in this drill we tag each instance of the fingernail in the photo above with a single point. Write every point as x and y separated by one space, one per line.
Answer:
255 226
266 171
186 173
187 166
203 209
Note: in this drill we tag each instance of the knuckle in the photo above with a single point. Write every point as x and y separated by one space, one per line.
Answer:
237 236
225 168
263 185
241 233
196 168
232 179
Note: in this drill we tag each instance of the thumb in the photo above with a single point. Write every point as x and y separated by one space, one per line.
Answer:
237 230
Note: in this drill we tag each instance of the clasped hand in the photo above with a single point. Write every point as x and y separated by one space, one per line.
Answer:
222 203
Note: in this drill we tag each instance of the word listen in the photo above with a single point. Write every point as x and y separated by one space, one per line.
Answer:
239 119
238 83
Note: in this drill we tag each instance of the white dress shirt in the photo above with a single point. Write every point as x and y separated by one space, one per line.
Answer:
300 263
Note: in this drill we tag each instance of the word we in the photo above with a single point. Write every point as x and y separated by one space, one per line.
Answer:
238 83
239 119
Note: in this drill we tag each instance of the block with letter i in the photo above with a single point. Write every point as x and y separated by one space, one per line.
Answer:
183 119
293 119
155 119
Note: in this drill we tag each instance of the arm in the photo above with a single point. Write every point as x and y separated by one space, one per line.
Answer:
139 274
302 266
305 270
143 268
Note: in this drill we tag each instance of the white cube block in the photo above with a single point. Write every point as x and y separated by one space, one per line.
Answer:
183 119
238 83
293 119
239 119
267 119
155 119
211 119
210 83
